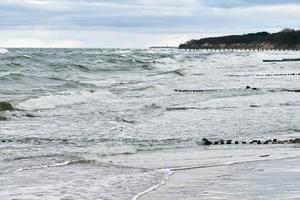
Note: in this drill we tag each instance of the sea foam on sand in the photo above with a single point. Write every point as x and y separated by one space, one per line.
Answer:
269 179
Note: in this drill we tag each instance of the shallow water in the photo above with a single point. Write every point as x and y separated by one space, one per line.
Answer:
107 123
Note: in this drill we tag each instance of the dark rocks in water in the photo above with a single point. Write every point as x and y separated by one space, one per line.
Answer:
180 73
228 141
283 142
263 156
258 142
250 88
29 115
127 121
3 118
287 90
6 106
294 141
283 60
6 140
206 141
297 141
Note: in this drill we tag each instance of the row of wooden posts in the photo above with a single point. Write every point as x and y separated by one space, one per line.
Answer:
221 49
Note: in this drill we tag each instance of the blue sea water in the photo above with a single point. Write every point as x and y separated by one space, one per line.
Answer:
108 124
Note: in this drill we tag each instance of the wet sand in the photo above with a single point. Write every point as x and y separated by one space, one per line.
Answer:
269 179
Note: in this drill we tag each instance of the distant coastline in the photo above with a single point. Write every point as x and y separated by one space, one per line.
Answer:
285 39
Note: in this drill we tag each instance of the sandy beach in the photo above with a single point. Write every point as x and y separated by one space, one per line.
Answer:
269 179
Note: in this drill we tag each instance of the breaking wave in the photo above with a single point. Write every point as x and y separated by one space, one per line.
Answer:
53 101
3 51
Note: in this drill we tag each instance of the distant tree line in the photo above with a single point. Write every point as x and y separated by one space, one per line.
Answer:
287 38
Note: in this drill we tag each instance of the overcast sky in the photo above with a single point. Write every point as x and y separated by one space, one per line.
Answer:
137 23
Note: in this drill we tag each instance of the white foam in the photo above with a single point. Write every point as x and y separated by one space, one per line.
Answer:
44 166
100 83
26 56
99 150
166 61
168 173
52 101
122 52
4 115
3 51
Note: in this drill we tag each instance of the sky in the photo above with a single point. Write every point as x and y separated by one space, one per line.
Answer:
137 23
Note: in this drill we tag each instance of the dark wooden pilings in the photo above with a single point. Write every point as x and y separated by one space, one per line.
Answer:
207 142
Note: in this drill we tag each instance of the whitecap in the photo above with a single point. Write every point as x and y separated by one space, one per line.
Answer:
98 61
53 101
4 115
100 83
3 51
26 56
166 61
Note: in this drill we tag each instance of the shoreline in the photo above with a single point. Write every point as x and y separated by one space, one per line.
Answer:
182 179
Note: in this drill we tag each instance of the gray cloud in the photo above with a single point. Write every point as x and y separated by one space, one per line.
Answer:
160 18
246 3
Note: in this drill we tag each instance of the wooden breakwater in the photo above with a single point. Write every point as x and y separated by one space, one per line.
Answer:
284 60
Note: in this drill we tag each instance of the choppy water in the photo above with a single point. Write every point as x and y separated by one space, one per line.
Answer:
107 123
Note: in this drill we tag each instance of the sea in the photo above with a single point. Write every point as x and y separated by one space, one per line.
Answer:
128 124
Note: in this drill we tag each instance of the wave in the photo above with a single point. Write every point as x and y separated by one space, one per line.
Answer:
150 87
82 161
176 72
44 166
100 83
261 158
195 108
27 56
81 67
70 67
35 140
148 67
4 116
166 60
167 172
124 146
14 77
65 99
3 51
109 83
